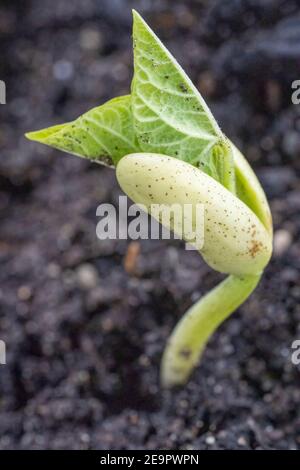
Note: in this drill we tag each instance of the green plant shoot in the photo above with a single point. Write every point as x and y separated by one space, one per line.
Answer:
165 137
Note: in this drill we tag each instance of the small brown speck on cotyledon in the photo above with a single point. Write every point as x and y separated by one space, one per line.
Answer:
185 353
255 248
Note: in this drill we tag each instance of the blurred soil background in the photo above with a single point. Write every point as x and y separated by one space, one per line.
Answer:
85 322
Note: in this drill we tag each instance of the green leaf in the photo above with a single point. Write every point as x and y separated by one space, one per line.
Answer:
170 116
165 114
104 134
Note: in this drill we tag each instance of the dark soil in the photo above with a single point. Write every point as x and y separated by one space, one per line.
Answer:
85 335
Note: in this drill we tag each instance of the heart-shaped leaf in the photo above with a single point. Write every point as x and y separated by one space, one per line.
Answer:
104 134
170 116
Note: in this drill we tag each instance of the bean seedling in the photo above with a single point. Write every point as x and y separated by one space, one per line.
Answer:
164 136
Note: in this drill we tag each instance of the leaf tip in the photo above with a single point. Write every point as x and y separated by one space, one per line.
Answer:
138 20
34 136
43 135
135 13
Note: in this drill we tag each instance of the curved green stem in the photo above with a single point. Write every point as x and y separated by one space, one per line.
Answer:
190 336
